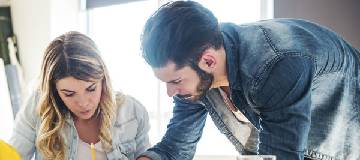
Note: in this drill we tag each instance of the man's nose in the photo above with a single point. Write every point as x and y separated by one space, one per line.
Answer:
171 90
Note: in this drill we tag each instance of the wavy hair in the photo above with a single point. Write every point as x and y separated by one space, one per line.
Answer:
71 54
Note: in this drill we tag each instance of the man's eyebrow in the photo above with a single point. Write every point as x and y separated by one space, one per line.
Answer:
174 81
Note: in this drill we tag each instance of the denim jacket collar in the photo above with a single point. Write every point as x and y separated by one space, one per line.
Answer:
231 61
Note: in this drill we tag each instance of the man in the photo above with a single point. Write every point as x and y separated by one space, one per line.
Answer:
281 87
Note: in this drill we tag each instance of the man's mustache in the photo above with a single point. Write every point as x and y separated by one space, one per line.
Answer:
186 96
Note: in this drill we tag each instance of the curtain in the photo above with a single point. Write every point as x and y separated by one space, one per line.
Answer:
5 31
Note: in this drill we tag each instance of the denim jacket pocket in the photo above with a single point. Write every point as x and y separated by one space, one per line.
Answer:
124 135
128 148
123 151
125 131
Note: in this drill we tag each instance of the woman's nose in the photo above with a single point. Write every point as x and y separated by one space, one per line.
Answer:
82 101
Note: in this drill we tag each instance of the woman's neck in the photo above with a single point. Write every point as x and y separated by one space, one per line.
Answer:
88 129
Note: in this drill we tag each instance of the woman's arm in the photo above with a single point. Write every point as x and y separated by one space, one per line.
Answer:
24 133
142 136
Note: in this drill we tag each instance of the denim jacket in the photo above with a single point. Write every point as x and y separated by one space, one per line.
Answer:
295 81
129 131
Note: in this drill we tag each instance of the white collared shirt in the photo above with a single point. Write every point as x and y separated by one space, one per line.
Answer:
84 151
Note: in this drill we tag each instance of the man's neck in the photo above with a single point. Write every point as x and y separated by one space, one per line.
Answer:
220 82
220 75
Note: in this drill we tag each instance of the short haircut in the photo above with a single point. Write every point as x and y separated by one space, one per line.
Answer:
179 32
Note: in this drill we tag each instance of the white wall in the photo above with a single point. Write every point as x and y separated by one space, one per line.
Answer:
36 23
31 24
66 15
4 3
341 16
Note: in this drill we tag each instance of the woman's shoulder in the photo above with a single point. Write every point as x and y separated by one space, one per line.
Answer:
128 107
30 107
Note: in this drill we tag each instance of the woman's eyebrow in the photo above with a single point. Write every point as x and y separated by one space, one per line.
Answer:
91 85
66 90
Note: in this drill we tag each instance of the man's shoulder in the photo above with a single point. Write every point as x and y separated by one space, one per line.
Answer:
229 26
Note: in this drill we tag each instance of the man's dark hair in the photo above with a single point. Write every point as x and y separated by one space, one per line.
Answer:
179 31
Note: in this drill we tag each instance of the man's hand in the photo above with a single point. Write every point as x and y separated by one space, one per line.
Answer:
143 158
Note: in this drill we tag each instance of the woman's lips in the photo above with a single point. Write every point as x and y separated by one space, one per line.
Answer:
85 112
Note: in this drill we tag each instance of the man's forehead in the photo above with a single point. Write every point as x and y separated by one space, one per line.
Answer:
166 73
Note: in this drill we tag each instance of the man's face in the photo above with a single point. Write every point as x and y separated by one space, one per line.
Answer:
188 83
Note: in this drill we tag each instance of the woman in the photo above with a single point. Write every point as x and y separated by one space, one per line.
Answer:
75 107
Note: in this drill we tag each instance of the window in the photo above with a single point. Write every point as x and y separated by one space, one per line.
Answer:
116 30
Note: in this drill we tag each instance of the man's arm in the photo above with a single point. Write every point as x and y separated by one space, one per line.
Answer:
283 99
183 133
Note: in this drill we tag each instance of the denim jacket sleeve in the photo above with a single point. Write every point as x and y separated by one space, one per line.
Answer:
130 132
24 132
282 97
183 133
142 137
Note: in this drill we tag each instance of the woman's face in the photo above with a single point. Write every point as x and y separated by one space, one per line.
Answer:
80 97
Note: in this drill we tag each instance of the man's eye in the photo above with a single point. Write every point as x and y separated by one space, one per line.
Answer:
177 82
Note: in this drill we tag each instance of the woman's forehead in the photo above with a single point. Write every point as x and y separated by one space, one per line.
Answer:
73 83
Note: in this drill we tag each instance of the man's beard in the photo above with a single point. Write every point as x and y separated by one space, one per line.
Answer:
206 80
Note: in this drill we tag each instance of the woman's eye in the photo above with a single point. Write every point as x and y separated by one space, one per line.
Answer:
69 95
92 89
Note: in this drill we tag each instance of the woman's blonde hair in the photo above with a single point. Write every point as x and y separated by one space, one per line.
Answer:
71 54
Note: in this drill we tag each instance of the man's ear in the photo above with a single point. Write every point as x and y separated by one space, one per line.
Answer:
207 61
